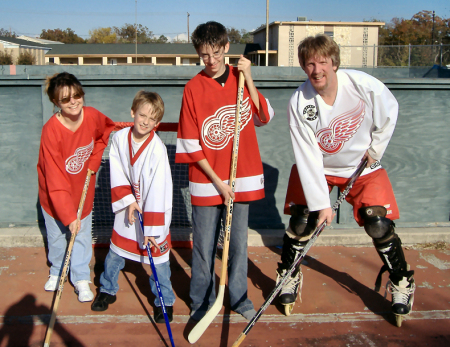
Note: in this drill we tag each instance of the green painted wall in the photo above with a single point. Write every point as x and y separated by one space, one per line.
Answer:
416 159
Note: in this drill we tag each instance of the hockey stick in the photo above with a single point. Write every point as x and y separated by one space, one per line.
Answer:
203 324
158 287
300 257
65 269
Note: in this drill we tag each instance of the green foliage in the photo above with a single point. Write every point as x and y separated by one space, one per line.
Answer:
64 36
239 36
7 33
417 31
127 34
102 35
6 58
162 39
26 58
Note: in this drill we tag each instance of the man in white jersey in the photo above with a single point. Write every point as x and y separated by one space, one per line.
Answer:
336 119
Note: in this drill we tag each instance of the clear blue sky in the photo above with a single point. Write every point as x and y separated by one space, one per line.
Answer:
169 17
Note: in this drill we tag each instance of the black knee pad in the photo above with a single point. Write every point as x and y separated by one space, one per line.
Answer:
302 222
376 224
291 248
390 250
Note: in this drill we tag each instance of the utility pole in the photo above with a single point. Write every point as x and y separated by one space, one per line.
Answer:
267 32
135 29
188 24
432 32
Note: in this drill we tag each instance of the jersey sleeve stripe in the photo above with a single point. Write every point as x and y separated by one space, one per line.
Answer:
154 219
118 193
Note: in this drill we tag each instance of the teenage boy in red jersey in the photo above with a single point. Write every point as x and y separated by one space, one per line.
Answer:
205 141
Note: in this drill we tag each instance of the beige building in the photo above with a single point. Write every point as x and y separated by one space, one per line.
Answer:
357 40
16 46
126 54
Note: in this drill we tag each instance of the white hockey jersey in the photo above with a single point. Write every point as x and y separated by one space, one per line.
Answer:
331 140
147 173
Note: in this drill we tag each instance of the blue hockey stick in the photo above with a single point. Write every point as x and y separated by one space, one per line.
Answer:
161 299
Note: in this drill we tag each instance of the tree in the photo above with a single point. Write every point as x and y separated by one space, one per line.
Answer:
234 36
127 34
26 58
102 35
64 36
246 37
7 33
416 31
162 39
6 58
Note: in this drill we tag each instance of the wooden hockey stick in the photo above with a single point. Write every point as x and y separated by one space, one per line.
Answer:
300 257
49 332
203 324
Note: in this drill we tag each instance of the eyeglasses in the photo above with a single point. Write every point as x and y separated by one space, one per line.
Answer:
216 55
67 98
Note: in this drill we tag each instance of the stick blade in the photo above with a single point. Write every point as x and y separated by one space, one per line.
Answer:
204 323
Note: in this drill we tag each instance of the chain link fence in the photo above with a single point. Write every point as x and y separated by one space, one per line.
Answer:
406 55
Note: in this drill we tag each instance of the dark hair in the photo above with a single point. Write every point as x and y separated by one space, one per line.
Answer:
144 97
55 83
319 46
210 34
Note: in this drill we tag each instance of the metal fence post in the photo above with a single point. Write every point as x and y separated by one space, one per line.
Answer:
409 55
373 55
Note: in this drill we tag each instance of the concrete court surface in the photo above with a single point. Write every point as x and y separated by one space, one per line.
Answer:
339 307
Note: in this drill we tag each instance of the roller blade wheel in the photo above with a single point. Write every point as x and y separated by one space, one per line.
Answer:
399 320
288 308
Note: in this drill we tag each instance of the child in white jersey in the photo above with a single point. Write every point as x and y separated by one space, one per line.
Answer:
141 182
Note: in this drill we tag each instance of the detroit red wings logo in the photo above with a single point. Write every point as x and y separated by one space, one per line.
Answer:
75 163
341 129
218 129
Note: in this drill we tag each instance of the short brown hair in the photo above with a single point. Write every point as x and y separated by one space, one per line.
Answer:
144 97
55 83
319 46
210 34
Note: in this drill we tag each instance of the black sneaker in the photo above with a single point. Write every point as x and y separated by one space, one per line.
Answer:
159 315
102 301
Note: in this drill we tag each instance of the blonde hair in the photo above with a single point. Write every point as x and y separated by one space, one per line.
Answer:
319 46
54 84
144 97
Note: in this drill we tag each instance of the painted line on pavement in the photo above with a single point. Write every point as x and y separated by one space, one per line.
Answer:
234 318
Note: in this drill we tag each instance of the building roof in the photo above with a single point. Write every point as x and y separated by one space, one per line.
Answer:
38 40
263 27
20 42
145 48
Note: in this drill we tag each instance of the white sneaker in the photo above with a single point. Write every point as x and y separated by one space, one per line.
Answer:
52 283
83 291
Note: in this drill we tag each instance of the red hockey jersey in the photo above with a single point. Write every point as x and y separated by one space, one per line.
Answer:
64 157
206 130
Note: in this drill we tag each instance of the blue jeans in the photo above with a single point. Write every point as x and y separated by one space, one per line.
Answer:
206 222
81 251
114 263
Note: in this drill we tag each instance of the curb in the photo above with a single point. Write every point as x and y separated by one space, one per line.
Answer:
182 238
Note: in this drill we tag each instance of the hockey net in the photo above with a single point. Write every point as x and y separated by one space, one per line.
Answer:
103 217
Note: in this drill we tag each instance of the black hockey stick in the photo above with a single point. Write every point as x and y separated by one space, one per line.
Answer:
300 257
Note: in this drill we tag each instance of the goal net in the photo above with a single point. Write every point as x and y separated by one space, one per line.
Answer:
103 217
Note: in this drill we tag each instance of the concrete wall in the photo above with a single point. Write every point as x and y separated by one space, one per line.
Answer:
416 159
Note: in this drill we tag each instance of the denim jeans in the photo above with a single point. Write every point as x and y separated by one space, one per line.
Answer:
81 251
114 263
206 222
